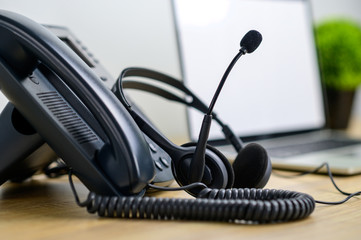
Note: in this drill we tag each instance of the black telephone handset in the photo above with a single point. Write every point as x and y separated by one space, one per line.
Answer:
71 109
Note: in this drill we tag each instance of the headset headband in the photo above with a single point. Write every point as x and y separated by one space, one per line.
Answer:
190 98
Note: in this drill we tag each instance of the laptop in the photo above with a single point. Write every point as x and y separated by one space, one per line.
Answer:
273 96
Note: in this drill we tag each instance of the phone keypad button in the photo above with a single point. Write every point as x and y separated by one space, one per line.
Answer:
158 165
152 147
164 161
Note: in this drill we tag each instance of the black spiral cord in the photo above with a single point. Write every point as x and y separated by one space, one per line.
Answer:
231 205
226 205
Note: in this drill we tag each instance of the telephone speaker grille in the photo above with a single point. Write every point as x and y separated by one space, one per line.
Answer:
67 117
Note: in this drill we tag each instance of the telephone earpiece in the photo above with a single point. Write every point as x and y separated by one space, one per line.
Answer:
252 166
64 100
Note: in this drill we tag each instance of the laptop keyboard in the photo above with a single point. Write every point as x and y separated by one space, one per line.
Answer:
298 149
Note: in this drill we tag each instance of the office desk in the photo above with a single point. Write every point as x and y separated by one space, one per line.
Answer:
45 209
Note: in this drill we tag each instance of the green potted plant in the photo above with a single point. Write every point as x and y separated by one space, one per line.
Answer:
339 48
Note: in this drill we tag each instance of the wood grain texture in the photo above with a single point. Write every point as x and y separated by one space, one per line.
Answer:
45 209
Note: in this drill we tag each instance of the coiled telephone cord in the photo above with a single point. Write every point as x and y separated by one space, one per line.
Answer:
230 205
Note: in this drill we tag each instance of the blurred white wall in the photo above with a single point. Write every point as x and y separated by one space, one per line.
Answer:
140 33
324 9
120 34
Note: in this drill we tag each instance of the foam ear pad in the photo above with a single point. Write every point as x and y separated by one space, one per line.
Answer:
252 167
218 172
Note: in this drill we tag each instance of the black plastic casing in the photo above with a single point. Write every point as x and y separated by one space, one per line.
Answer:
71 109
23 151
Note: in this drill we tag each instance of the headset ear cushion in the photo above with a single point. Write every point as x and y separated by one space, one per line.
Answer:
252 167
216 173
227 165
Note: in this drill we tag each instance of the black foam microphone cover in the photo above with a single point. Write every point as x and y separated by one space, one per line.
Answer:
251 41
252 167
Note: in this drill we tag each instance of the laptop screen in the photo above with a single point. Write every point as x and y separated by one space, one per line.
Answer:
274 90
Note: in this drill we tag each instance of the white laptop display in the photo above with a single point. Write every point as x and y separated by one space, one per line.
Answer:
274 91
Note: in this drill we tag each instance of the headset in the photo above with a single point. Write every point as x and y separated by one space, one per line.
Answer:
106 144
252 166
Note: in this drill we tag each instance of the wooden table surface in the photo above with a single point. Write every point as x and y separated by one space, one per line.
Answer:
45 209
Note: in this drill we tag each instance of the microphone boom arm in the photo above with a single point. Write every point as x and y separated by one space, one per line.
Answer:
223 80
